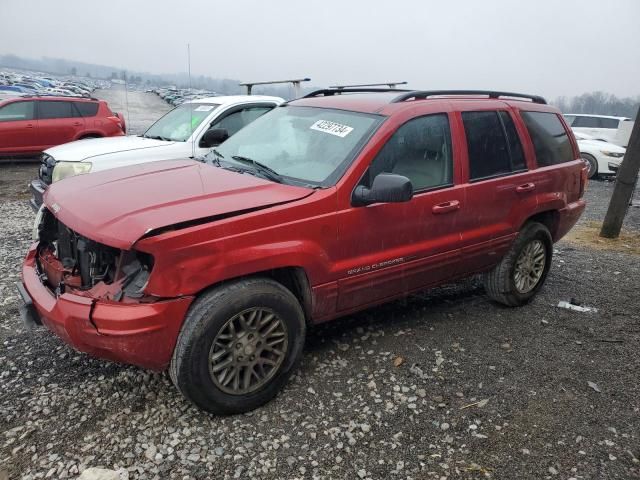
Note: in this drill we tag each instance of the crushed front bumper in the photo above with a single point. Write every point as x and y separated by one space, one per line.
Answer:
142 334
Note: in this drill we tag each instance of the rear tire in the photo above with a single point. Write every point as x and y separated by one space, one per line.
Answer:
593 165
523 270
238 346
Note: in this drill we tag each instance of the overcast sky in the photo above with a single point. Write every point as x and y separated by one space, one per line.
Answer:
548 47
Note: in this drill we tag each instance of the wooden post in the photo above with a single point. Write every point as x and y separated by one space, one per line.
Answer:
625 185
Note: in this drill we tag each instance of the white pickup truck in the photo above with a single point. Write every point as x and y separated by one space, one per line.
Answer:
180 133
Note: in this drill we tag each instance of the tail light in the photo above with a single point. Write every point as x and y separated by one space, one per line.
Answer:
584 180
119 121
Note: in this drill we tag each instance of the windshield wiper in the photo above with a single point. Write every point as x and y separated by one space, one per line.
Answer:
268 172
215 156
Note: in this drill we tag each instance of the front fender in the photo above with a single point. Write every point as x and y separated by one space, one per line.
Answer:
192 271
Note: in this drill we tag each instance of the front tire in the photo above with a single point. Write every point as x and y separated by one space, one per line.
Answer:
523 270
238 346
592 164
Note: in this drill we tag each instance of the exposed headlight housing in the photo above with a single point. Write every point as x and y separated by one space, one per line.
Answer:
69 169
612 154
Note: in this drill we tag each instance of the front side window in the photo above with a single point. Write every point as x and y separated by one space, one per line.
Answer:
16 111
550 140
489 152
570 119
306 144
48 110
237 120
419 150
178 124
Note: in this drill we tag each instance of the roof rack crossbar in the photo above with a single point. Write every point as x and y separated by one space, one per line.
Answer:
391 85
327 92
295 82
424 94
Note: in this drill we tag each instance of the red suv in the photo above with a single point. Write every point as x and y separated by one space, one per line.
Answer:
324 206
29 125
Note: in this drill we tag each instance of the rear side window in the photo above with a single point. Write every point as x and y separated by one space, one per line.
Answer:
87 109
513 142
570 119
48 110
16 111
609 122
550 139
493 144
586 122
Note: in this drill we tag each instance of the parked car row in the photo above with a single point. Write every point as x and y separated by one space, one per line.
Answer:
177 96
301 213
14 83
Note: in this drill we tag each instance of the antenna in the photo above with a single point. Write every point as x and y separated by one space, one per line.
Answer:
126 98
193 143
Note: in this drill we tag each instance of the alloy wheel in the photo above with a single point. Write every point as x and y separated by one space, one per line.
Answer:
248 351
530 265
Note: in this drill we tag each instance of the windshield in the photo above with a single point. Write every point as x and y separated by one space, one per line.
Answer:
312 145
179 123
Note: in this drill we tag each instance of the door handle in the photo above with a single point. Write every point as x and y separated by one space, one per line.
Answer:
29 125
446 207
77 124
526 187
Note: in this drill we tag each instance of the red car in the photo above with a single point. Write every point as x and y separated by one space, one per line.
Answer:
324 206
29 125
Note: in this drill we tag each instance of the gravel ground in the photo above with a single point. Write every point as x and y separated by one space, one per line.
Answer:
444 384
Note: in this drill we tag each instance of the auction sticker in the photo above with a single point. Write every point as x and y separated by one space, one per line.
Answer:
203 108
332 128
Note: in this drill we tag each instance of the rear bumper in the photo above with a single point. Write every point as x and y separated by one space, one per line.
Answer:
142 334
568 217
37 189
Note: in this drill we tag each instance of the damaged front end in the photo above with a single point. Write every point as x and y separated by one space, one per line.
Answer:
93 297
70 262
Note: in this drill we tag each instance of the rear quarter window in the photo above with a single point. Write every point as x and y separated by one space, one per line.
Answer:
550 139
609 123
87 109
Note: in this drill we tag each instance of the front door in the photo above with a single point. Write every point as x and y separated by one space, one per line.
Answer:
388 249
18 128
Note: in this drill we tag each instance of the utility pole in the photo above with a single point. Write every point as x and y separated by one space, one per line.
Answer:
625 185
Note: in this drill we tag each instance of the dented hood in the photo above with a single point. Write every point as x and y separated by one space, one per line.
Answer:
116 207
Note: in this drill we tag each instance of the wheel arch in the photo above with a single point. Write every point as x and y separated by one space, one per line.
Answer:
548 218
89 135
293 278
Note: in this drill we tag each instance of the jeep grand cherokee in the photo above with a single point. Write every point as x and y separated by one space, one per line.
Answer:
324 206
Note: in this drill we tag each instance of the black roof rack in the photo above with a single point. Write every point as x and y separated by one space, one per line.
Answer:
327 92
424 94
391 85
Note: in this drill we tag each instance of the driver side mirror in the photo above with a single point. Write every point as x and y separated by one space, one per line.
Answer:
386 188
213 137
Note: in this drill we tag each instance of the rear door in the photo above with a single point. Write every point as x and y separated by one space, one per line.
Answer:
18 128
390 249
499 188
59 122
